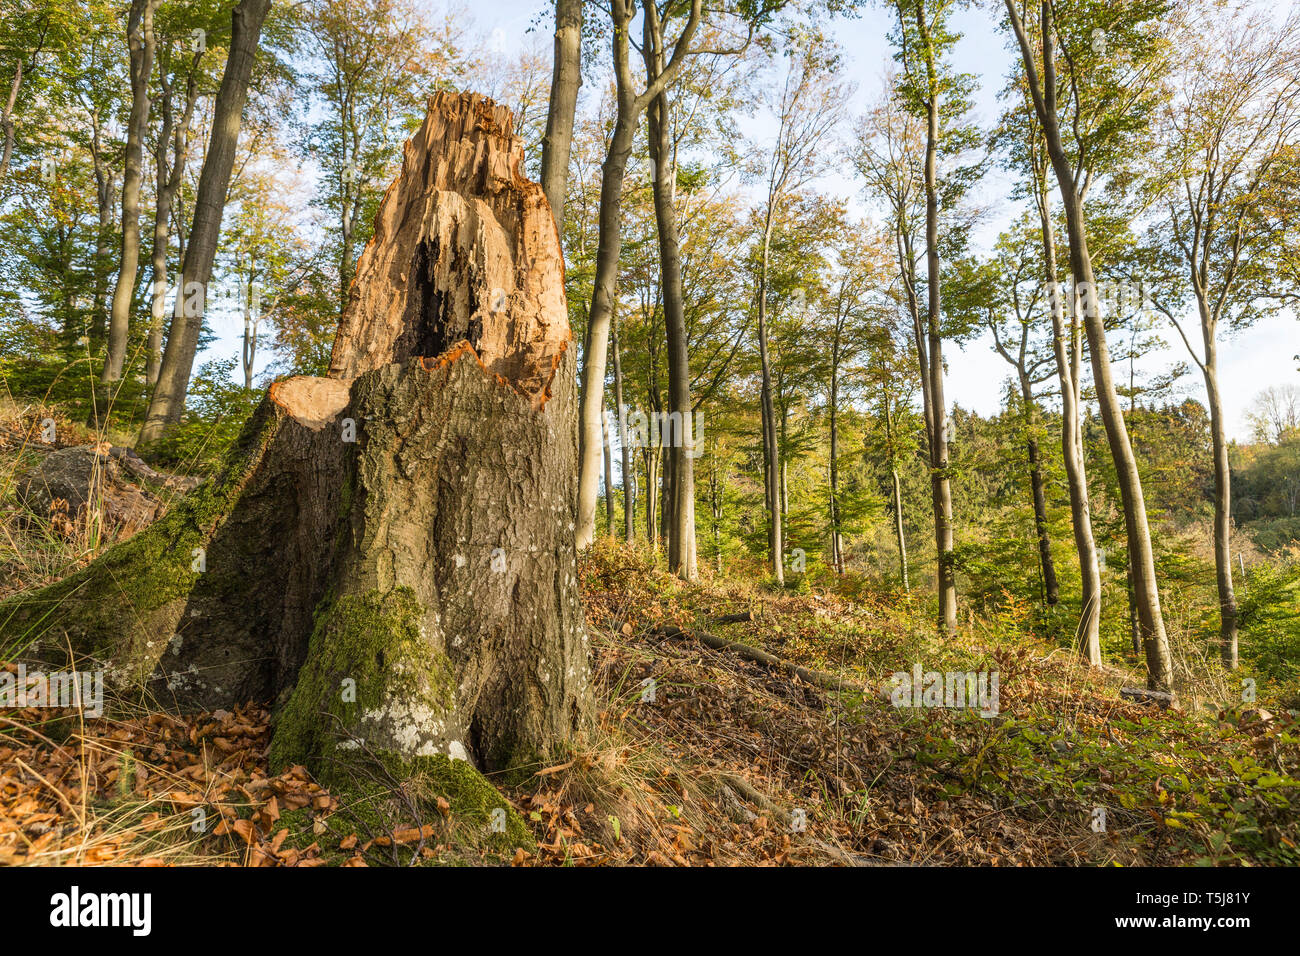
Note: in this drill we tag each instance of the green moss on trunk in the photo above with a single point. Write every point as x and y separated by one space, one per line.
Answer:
122 608
371 680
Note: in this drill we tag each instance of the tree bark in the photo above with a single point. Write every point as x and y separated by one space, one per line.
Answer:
104 190
387 553
771 452
629 476
630 107
1068 367
168 399
175 137
7 120
566 78
1051 587
837 551
1222 504
1142 560
940 484
140 41
681 527
609 477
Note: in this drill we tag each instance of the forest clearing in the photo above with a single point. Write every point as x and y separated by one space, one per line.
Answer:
650 434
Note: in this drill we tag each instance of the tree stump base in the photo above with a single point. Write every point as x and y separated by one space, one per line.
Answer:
386 554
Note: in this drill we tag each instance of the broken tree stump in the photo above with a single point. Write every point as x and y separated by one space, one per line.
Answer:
387 553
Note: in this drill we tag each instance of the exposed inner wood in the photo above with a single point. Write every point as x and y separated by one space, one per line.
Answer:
314 402
465 250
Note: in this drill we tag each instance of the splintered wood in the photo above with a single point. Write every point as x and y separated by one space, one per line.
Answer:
465 249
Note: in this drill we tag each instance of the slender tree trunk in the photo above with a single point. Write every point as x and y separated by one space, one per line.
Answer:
629 477
598 320
158 263
681 529
168 399
837 551
940 485
609 478
629 109
140 41
715 510
176 137
1222 504
651 496
566 77
897 487
1068 353
105 188
249 351
898 527
1155 643
771 463
1051 588
7 121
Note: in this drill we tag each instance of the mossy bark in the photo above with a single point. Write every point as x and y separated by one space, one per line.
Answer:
211 604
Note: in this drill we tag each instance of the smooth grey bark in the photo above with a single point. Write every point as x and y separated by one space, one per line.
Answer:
629 109
105 189
1141 557
940 483
141 44
681 525
629 476
168 400
837 546
566 78
173 136
7 121
896 486
1067 349
609 478
771 451
716 494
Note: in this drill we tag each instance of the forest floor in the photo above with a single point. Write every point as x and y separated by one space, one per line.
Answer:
698 756
701 757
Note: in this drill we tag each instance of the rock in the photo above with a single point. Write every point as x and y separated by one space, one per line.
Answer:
73 480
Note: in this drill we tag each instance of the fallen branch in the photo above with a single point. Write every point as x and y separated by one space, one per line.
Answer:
818 678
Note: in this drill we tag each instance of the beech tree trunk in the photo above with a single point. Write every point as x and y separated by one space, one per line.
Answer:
629 476
1068 370
940 482
105 183
175 137
630 106
1141 558
566 77
140 41
168 399
681 527
387 553
1051 587
771 453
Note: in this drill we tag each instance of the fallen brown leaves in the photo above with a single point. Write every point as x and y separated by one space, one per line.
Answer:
148 791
